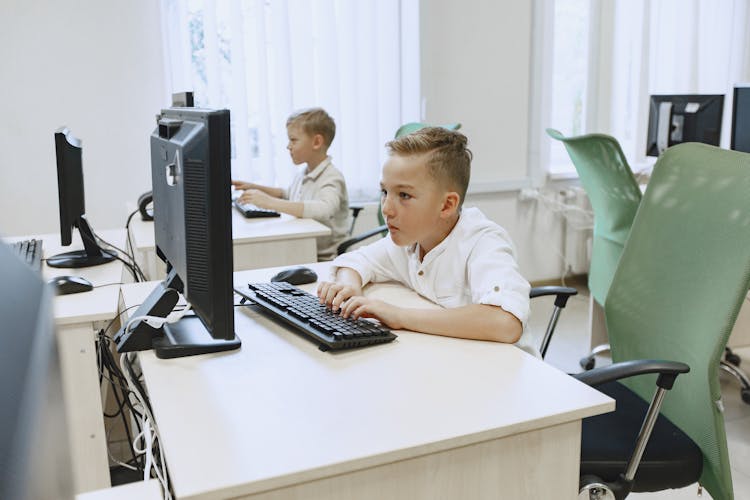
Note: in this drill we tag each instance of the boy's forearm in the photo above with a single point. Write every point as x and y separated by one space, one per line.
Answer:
475 321
295 208
350 277
271 191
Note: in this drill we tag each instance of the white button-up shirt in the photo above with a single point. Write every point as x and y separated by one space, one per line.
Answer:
474 264
323 193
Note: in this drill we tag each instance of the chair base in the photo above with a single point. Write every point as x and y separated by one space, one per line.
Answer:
740 375
671 459
589 362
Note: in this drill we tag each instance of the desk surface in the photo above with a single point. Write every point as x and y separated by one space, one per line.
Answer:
279 412
99 304
244 230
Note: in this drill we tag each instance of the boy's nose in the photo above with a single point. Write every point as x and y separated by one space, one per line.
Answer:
387 206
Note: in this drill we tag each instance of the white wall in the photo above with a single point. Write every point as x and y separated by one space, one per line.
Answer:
95 67
476 69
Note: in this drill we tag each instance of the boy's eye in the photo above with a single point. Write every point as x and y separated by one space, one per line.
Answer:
404 196
383 193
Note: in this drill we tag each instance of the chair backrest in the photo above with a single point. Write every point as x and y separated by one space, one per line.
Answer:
408 128
680 283
614 195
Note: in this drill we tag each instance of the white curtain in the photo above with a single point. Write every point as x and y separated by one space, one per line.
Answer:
263 59
674 47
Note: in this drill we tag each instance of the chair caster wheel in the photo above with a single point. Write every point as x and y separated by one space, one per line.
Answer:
595 491
745 393
587 363
731 357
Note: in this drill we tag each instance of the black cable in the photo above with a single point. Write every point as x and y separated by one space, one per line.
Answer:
135 270
107 364
108 284
130 241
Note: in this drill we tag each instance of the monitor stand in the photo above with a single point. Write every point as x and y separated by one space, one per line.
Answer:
91 255
189 337
185 337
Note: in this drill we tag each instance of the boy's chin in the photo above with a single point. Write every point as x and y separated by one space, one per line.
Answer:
399 240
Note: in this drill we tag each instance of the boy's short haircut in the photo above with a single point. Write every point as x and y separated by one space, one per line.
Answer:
448 159
314 121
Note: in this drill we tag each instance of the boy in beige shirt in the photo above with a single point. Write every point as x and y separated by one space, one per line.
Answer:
317 192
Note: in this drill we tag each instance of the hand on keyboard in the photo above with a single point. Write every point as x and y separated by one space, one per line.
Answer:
307 315
334 294
363 307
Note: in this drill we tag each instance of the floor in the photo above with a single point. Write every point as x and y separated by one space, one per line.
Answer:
570 343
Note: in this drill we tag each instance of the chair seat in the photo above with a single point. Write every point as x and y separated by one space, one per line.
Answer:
671 459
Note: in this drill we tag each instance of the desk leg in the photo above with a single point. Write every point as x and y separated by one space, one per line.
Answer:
83 403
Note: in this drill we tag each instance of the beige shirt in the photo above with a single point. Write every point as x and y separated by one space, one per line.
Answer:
323 193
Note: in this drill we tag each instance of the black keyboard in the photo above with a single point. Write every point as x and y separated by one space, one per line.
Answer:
307 315
252 212
30 251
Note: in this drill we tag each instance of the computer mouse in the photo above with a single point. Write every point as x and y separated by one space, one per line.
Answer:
65 285
296 276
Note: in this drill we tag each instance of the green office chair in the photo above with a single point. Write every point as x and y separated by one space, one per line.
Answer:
676 293
382 230
615 196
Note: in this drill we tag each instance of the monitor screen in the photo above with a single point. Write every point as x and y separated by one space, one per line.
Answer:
191 181
741 119
34 448
674 119
72 206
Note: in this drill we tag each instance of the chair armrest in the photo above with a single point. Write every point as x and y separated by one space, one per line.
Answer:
563 293
344 245
667 370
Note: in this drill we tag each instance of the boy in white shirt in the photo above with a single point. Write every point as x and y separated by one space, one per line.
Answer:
456 258
317 192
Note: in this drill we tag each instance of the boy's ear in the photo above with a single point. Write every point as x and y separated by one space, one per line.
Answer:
318 141
450 204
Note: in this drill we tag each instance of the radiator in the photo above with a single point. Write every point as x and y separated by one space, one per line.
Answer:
578 222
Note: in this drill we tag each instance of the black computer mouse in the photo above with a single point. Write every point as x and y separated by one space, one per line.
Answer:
71 284
296 276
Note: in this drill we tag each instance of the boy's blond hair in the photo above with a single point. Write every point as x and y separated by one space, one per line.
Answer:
314 121
448 159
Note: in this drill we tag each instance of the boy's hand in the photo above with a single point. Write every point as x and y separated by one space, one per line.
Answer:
363 307
256 197
241 185
334 294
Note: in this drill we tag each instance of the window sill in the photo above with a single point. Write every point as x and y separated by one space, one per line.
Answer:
563 175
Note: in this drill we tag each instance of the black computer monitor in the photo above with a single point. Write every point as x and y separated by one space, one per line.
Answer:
72 206
191 180
34 441
741 118
674 119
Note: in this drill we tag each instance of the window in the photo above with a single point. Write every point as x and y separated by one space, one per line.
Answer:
264 59
570 62
606 58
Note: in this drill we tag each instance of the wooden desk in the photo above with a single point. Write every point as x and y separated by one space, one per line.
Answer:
258 243
422 417
78 317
